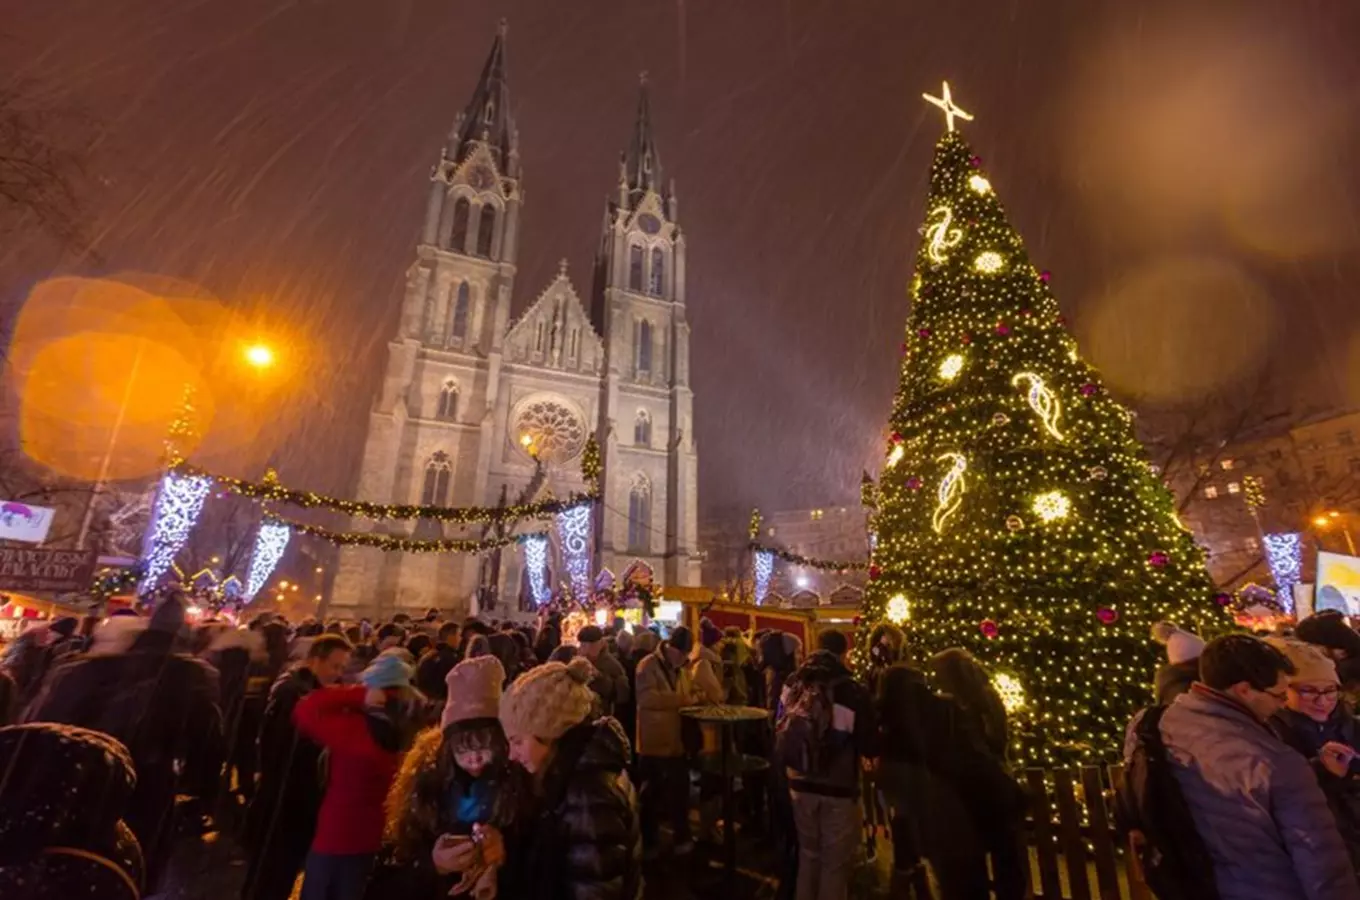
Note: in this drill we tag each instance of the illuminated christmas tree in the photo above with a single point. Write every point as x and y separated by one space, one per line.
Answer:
1017 515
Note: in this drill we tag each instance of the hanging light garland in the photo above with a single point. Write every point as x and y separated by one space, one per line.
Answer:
763 565
394 543
1284 556
271 490
808 562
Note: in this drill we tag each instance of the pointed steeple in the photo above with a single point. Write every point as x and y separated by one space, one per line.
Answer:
641 164
487 118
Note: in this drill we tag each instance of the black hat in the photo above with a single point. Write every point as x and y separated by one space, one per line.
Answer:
590 634
681 639
1329 629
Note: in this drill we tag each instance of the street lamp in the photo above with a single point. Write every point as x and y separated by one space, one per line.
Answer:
1326 519
260 356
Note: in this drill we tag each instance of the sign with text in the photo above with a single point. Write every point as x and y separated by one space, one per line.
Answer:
57 571
21 522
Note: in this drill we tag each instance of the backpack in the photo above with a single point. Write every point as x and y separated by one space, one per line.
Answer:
803 737
1175 862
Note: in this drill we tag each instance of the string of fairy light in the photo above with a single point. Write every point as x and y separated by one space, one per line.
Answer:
1015 514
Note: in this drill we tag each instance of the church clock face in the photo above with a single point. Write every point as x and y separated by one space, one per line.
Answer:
649 223
481 177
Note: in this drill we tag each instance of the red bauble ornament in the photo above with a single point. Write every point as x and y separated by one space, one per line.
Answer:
989 628
1003 329
1107 616
1223 599
1089 390
923 332
858 621
1045 276
914 483
967 339
874 572
976 161
895 437
1159 559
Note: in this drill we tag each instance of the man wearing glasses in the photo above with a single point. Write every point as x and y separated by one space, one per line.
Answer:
1254 799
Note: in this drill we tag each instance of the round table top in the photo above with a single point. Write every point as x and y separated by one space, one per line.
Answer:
723 712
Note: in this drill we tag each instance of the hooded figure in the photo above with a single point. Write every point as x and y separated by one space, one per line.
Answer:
162 706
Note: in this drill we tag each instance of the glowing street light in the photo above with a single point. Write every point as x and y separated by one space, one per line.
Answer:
261 356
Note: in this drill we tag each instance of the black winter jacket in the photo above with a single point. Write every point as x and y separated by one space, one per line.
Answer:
584 842
1343 794
842 775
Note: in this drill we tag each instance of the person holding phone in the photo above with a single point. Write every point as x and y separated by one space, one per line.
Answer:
1318 724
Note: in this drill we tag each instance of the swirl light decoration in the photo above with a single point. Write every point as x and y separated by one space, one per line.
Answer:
178 504
573 529
763 563
1284 555
942 238
536 561
1043 401
949 497
270 543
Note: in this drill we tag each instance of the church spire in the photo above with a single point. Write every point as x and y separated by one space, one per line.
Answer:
487 118
641 164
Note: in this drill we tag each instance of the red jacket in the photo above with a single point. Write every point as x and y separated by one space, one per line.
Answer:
360 771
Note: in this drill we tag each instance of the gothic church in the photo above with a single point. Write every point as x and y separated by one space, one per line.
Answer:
469 390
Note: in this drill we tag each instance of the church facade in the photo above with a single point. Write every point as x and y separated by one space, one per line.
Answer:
478 407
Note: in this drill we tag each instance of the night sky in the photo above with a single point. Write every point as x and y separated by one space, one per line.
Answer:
1186 170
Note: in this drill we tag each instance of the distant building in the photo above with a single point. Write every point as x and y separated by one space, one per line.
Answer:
1310 478
469 391
829 533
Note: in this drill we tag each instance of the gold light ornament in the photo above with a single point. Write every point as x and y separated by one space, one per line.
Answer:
1051 506
980 184
949 496
951 366
989 261
1043 401
895 455
942 237
1010 689
898 610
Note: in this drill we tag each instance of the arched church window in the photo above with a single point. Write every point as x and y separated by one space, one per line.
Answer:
486 229
448 401
489 112
461 302
640 515
658 273
540 333
462 210
635 268
574 345
438 472
643 351
642 429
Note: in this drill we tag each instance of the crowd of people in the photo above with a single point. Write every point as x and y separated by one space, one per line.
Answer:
431 758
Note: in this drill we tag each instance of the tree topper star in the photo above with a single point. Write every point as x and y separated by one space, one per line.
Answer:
946 103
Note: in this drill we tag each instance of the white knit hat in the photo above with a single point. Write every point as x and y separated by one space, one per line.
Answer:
1181 646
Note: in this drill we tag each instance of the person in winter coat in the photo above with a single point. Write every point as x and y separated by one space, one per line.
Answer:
162 706
26 662
610 683
457 778
1182 661
584 842
887 647
780 655
826 807
706 665
1319 726
1329 630
281 818
664 688
959 675
1254 800
432 671
364 729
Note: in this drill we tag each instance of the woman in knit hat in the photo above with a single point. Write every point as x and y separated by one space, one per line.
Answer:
456 778
1182 661
364 729
1315 723
584 839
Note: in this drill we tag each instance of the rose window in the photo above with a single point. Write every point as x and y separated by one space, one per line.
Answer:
549 430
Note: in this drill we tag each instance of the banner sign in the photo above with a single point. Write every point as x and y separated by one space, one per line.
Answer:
21 522
56 571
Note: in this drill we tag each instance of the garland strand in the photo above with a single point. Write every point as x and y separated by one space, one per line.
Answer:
388 542
824 565
270 490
